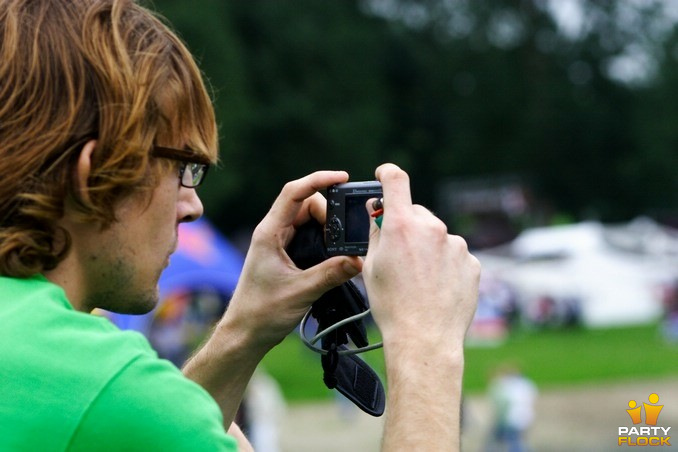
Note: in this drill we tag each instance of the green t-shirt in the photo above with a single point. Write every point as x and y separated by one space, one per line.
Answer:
73 381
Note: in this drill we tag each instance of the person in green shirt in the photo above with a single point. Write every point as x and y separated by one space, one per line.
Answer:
106 129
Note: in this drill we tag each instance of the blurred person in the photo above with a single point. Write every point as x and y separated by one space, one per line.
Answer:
670 304
264 408
513 397
106 128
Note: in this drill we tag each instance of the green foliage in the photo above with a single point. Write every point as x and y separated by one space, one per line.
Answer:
446 90
550 358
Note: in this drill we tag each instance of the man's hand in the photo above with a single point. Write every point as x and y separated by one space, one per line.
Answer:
272 294
418 276
423 286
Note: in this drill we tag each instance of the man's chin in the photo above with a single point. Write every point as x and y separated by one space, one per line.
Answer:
136 309
138 305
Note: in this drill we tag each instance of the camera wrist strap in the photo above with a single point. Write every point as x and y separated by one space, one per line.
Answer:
338 313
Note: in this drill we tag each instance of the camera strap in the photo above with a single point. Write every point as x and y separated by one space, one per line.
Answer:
344 372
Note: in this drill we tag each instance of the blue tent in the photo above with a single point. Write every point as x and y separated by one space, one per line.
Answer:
205 262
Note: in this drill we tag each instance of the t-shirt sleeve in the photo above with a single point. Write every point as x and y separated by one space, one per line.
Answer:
150 405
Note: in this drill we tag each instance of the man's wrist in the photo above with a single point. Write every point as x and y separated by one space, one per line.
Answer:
236 340
448 358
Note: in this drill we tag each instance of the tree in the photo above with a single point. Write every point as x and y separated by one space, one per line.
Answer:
451 89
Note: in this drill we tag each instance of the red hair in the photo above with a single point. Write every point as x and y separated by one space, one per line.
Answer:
75 70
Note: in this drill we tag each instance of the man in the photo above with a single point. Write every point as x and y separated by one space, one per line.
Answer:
105 131
513 397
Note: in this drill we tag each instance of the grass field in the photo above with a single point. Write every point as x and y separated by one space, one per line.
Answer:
550 358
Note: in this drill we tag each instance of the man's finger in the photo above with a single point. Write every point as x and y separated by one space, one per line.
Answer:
396 186
330 273
287 205
314 207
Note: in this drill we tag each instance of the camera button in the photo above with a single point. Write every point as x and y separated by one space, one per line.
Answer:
334 228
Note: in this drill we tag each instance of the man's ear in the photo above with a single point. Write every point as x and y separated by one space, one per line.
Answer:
82 171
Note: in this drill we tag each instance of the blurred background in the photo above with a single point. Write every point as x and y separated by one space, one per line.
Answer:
543 131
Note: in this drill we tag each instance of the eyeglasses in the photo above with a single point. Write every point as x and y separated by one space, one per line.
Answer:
193 168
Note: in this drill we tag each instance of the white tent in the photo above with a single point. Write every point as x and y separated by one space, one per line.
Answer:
615 272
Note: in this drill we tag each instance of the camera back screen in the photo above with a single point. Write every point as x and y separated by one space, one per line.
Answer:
357 218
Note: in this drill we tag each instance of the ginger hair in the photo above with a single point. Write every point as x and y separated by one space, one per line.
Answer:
76 70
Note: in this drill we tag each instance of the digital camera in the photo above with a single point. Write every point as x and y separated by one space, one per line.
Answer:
347 228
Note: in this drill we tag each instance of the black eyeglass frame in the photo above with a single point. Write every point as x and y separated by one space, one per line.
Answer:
186 157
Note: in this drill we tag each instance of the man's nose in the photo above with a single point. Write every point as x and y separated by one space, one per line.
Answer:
190 207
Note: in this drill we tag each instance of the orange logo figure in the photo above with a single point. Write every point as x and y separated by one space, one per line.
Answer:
634 412
651 411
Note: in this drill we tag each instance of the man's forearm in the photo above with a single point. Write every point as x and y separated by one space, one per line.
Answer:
224 366
424 399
